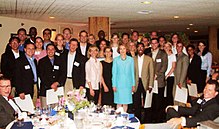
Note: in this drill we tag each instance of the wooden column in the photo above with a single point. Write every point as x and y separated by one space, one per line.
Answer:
95 24
213 42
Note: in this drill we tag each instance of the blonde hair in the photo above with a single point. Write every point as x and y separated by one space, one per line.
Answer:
92 47
170 44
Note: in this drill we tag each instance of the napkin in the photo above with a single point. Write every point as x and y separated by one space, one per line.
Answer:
133 119
121 127
27 125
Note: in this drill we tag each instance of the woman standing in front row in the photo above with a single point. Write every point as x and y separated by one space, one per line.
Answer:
107 90
93 70
123 78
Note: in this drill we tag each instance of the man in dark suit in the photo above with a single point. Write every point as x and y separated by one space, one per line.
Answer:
144 78
83 45
205 108
8 61
74 67
51 73
26 73
7 107
160 66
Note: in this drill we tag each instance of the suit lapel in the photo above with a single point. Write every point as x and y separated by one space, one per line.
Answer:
7 106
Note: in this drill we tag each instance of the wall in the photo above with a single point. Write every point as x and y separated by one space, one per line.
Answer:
213 39
11 25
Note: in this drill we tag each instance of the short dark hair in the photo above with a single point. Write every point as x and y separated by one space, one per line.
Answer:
50 44
14 38
32 28
155 39
161 37
22 29
213 82
73 39
107 47
83 31
27 43
3 78
190 45
135 32
47 29
123 34
115 34
139 44
68 30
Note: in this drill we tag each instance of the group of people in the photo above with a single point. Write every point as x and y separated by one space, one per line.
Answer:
118 72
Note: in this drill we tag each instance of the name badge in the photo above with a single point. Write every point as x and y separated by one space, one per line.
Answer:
76 64
27 67
56 67
56 53
158 60
199 101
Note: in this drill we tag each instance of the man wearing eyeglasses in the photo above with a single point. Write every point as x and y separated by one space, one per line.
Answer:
7 107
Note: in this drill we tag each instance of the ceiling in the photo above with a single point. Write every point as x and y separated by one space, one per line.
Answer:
123 13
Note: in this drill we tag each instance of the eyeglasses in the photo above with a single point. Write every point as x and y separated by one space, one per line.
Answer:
4 87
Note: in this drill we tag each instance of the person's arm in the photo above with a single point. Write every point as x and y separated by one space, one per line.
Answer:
133 74
184 68
88 77
114 74
151 74
209 61
164 63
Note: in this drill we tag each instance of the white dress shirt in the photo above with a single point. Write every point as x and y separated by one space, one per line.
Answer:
71 58
140 63
83 49
13 105
16 54
154 53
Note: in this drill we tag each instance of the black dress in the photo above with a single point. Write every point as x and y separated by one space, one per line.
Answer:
107 97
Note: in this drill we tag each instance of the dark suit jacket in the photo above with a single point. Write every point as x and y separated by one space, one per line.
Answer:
24 78
160 67
8 65
209 111
6 112
78 72
194 71
49 73
79 49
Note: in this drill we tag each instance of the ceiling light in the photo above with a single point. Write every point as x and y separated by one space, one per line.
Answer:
196 31
51 17
145 12
176 17
146 2
191 24
188 28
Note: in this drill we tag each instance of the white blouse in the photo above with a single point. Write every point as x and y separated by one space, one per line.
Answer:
93 69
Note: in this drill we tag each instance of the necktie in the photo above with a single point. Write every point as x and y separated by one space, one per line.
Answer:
202 104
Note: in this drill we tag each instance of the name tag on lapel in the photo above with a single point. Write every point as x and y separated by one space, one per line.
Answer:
199 101
57 54
158 60
76 64
27 67
56 67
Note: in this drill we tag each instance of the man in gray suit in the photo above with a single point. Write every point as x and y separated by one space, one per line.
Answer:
160 66
7 107
182 63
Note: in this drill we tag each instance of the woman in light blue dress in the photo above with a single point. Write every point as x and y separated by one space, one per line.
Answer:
123 78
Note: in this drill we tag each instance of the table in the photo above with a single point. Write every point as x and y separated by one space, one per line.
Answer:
92 121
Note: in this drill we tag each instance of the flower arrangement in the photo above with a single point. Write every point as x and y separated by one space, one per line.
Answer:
76 100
